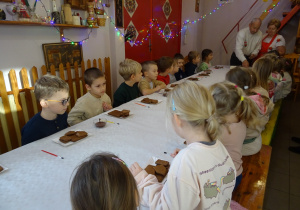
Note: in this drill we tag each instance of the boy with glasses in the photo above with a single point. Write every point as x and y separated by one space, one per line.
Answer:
53 94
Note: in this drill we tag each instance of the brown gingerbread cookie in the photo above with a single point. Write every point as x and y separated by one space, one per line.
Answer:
162 162
70 133
150 170
65 139
160 169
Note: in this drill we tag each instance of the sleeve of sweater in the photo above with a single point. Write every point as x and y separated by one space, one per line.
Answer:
240 38
258 45
143 84
119 98
76 114
157 82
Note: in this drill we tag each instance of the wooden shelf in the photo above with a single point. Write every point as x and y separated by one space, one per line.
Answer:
61 26
23 23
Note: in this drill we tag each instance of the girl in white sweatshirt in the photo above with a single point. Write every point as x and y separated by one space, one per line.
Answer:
201 176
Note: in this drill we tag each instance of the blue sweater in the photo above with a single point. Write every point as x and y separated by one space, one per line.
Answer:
37 127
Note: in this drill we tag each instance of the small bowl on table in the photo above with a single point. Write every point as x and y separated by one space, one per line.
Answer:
100 123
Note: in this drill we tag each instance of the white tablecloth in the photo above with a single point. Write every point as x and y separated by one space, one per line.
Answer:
36 180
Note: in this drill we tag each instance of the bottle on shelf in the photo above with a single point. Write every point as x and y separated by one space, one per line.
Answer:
55 14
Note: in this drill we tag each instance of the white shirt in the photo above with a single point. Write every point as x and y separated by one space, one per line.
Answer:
247 43
278 41
200 177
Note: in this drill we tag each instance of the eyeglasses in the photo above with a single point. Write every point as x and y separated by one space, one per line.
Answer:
63 102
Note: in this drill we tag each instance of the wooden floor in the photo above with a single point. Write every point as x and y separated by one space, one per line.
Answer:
283 182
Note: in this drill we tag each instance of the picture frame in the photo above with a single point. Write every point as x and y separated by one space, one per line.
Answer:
119 17
56 53
224 1
10 1
197 4
77 4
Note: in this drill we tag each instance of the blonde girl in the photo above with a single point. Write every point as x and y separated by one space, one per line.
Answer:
235 113
263 68
202 175
263 105
104 182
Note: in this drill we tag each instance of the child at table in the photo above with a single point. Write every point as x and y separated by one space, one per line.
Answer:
287 79
264 106
235 113
263 69
149 84
207 56
165 66
53 95
173 72
131 71
104 182
94 102
190 67
196 176
179 59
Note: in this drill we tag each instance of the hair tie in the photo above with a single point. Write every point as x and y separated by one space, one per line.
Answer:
235 86
242 98
246 87
118 159
173 105
258 94
209 119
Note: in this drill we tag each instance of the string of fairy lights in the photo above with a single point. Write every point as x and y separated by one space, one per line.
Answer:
153 23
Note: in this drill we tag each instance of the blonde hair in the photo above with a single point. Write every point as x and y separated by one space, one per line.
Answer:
146 65
253 77
194 104
193 55
47 85
263 69
104 182
230 99
129 67
277 62
274 22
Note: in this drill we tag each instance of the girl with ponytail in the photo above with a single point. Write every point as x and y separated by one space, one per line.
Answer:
263 106
202 175
235 112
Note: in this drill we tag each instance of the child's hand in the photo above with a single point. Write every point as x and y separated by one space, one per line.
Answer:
106 106
175 152
135 169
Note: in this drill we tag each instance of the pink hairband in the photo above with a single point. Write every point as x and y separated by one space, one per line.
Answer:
120 160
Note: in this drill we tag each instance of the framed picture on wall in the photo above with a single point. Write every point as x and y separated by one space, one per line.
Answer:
7 1
197 5
119 14
57 53
224 1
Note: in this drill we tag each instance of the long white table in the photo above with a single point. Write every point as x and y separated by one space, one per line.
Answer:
36 180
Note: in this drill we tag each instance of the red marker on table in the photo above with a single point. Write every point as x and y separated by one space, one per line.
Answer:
52 154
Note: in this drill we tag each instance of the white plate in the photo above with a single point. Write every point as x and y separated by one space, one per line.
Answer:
56 140
4 168
130 114
140 100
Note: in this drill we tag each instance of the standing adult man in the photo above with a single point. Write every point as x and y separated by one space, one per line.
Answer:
248 44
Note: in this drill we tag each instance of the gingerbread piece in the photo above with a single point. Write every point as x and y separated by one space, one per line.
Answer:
150 170
65 139
81 134
162 162
193 79
159 177
125 113
1 168
70 133
115 113
167 90
146 100
174 85
153 101
160 169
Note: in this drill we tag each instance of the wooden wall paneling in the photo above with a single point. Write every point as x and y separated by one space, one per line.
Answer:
108 76
61 71
27 89
94 63
44 70
70 82
100 64
16 93
77 80
8 114
88 63
82 75
35 77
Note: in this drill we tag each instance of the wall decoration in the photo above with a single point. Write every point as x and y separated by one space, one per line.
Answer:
77 4
167 32
224 1
7 1
57 53
131 6
131 30
167 9
119 14
197 6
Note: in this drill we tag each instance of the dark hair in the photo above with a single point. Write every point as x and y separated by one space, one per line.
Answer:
192 55
287 65
91 74
164 63
205 53
104 182
146 65
178 56
239 77
47 85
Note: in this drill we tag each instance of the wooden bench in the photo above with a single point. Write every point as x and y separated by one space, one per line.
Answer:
250 193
